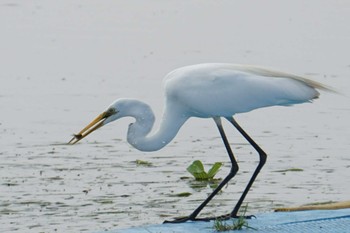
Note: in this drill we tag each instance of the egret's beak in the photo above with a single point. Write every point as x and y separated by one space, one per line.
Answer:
95 124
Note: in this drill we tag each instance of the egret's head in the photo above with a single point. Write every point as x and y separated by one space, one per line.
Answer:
120 108
111 114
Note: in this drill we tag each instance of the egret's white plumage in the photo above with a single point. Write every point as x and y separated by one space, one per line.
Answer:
208 90
211 90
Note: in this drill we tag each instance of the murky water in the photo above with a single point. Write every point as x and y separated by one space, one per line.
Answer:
62 63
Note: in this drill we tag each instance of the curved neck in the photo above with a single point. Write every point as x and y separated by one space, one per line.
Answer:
138 133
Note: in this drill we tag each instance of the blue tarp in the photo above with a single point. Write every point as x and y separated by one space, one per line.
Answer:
313 221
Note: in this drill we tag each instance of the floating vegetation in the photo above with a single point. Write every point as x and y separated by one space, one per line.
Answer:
54 178
197 170
199 184
10 184
290 170
143 163
183 194
7 211
103 201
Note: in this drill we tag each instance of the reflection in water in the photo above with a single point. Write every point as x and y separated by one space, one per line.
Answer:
198 185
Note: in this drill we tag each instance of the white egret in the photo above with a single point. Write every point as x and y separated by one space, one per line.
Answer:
212 90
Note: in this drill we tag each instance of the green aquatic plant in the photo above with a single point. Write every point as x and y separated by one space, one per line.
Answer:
290 170
197 170
236 224
183 194
143 163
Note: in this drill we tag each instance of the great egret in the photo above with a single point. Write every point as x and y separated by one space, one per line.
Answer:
212 90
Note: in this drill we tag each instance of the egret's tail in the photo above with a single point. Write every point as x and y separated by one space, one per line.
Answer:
316 85
273 73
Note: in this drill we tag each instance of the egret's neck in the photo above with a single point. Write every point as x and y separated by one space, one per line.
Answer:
138 133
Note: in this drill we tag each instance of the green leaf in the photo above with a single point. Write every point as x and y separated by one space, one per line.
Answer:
197 170
214 169
196 167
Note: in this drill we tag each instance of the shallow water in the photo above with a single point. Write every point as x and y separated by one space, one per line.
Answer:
63 63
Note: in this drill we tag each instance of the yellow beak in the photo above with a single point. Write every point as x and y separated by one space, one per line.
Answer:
95 124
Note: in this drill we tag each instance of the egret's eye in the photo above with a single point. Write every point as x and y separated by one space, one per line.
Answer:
110 112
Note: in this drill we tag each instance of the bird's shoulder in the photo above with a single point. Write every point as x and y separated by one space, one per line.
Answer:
205 70
209 74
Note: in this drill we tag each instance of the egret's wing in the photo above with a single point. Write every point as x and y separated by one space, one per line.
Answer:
277 74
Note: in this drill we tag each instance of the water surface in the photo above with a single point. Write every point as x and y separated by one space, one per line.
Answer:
63 63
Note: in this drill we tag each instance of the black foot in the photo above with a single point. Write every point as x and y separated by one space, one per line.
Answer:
189 218
222 217
244 216
180 220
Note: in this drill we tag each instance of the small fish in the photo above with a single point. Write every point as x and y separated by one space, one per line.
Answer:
76 137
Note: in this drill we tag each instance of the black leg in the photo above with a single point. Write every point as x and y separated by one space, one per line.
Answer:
262 160
233 171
